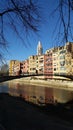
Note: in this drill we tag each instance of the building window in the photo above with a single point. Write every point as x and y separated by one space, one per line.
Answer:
62 57
49 64
68 62
63 51
55 58
62 68
54 69
62 73
54 64
62 63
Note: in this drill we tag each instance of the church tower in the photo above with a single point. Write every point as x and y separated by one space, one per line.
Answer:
39 49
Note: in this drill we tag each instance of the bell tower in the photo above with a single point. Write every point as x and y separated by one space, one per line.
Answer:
39 49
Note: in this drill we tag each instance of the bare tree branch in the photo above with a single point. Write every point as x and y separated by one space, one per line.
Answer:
64 11
18 14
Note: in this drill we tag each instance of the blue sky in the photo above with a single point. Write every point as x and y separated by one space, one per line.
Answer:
18 51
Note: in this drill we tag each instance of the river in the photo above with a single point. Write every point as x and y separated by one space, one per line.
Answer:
37 94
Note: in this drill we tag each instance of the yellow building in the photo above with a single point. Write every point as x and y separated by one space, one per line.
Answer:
17 68
40 64
36 64
11 67
33 61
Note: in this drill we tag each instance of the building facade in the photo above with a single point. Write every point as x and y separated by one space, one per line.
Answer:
25 67
33 64
11 67
48 65
40 64
17 68
62 58
55 61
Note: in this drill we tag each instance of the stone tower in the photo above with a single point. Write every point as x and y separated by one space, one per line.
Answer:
39 49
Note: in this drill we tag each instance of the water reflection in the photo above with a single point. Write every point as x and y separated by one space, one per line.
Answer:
37 94
3 88
40 95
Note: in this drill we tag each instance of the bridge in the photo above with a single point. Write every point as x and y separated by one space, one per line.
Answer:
6 78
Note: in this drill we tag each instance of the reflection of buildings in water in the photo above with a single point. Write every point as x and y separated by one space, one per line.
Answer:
13 92
14 89
53 95
12 84
37 95
25 92
62 96
40 95
32 94
49 95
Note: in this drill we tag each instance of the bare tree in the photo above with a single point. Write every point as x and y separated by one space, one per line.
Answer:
4 69
64 26
17 15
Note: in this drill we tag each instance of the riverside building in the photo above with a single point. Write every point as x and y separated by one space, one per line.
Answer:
25 67
33 63
55 61
17 68
36 61
62 59
11 67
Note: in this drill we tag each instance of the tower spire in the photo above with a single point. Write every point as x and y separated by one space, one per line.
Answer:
39 49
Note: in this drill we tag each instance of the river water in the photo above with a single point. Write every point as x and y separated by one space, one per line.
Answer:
37 94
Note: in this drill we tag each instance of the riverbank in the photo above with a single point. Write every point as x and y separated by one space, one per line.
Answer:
16 114
7 78
45 83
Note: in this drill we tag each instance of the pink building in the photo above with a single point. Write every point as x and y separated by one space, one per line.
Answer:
25 65
45 65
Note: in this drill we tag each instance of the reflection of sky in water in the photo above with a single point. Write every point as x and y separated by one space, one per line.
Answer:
4 88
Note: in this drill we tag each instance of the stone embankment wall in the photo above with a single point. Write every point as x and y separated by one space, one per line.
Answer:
47 83
40 82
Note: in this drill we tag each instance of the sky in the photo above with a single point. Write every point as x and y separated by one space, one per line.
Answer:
16 48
